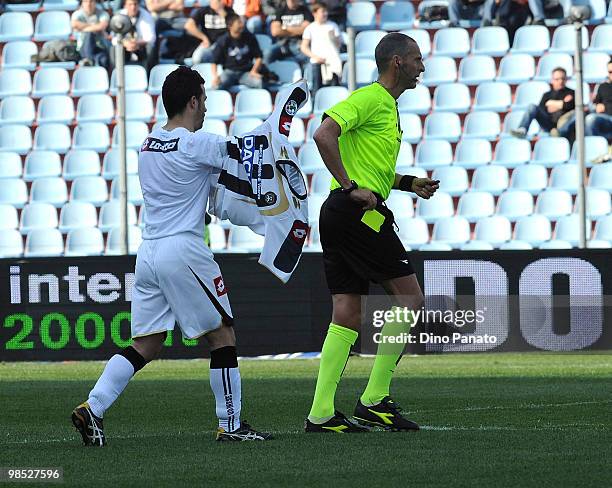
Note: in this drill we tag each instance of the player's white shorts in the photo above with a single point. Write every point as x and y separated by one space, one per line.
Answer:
178 280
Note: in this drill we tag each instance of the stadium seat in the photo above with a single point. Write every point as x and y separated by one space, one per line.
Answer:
427 4
452 97
51 26
531 39
568 229
490 41
15 138
452 41
95 108
516 68
435 246
111 163
512 121
286 70
415 101
495 230
253 103
413 231
113 242
328 96
320 183
533 229
603 228
396 15
91 189
67 5
297 133
315 200
601 41
550 61
42 164
474 205
598 203
437 207
476 246
554 203
51 190
84 241
17 54
365 74
551 151
309 158
528 93
81 162
594 65
17 110
411 127
366 42
243 238
512 152
243 125
401 204
91 135
313 125
361 15
10 165
50 81
565 177
89 80
443 125
53 137
138 107
76 215
482 125
8 217
136 132
135 79
133 189
453 179
11 244
157 76
515 245
439 69
431 154
555 244
215 126
493 95
265 43
514 204
15 81
16 26
110 215
55 109
491 178
206 71
595 146
218 241
14 192
421 36
44 242
38 215
598 10
453 231
598 244
471 153
600 177
161 116
564 39
474 70
529 177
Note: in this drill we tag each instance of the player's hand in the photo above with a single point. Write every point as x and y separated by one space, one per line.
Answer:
425 187
364 197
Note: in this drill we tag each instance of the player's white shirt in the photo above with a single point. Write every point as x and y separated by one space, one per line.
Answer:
174 168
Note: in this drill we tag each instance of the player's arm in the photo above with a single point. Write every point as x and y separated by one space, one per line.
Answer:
423 187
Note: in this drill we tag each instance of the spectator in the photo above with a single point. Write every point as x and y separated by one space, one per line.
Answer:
140 40
471 10
553 105
600 122
239 54
288 26
169 26
207 25
89 24
321 43
250 11
336 12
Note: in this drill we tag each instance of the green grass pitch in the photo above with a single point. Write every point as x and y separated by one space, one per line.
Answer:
488 420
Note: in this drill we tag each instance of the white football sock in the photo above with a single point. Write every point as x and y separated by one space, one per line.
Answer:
225 384
114 379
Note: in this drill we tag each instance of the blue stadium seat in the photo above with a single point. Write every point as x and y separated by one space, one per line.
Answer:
84 241
598 203
476 246
491 41
133 189
531 39
551 151
516 68
493 95
243 125
601 40
265 42
135 79
111 163
91 189
595 146
439 69
603 228
533 229
15 81
495 230
453 179
297 133
51 190
411 127
215 126
81 162
157 76
11 244
313 125
139 107
401 204
435 24
10 165
475 205
482 125
594 65
113 242
17 54
514 204
491 178
413 231
136 134
415 101
601 177
44 242
54 137
91 135
286 70
328 96
206 71
244 239
515 245
586 92
452 41
361 15
550 61
366 42
253 103
110 215
435 246
528 93
17 110
320 183
453 231
14 192
474 70
89 80
16 26
95 108
309 158
15 138
529 177
471 153
564 39
365 74
160 111
52 25
55 109
421 36
598 244
437 207
38 215
452 97
565 177
404 156
42 164
433 153
568 229
68 5
396 15
315 200
555 244
512 121
50 81
443 125
512 152
554 204
8 217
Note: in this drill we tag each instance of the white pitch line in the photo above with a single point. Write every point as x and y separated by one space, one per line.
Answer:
514 407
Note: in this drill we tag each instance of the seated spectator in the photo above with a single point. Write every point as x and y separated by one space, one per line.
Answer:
250 11
271 8
321 43
600 122
239 54
169 26
206 25
471 10
554 104
89 24
139 42
288 27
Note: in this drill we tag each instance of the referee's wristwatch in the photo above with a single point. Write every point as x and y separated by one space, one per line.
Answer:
353 186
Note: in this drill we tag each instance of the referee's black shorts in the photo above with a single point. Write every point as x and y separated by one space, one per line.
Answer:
354 253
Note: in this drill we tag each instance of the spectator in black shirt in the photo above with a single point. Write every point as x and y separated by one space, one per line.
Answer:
239 54
207 25
600 122
287 28
553 105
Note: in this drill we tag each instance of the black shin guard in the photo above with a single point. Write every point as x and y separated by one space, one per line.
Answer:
134 357
224 357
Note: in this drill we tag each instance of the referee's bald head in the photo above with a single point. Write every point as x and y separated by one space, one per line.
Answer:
393 44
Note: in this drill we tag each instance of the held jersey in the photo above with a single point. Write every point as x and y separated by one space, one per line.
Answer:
174 168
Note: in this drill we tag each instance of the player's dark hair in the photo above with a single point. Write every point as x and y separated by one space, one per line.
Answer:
179 86
562 70
393 44
231 18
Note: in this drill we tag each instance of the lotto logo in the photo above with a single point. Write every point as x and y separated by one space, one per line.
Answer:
156 145
298 232
220 286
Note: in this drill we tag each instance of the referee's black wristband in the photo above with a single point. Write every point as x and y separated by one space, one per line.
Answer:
405 183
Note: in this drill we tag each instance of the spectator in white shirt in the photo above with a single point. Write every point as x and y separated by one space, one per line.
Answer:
139 42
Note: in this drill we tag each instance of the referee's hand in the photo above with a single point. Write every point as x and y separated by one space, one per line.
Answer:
425 187
364 197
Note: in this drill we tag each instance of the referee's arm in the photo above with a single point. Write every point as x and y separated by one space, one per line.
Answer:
423 187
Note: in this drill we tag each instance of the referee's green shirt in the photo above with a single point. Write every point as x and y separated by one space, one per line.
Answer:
370 138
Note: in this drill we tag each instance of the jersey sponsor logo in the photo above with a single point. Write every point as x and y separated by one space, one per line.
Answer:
298 232
284 124
157 145
220 286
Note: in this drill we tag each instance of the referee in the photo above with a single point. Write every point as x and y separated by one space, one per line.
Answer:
359 140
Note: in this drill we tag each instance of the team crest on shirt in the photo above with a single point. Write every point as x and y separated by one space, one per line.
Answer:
220 286
291 107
